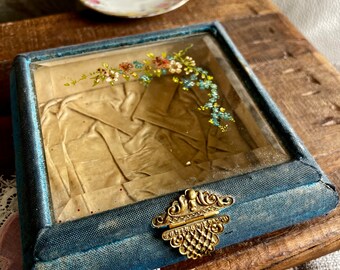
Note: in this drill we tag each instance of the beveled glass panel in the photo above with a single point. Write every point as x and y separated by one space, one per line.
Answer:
110 146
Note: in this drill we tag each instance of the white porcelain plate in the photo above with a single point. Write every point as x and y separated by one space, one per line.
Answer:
133 8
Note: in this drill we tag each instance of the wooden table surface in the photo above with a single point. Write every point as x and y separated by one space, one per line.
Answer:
303 84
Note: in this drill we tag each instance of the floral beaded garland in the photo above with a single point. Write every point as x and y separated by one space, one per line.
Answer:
175 64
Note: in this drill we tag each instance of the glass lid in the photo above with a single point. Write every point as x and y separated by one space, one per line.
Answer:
128 124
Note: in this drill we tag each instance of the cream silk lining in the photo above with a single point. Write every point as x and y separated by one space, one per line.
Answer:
109 147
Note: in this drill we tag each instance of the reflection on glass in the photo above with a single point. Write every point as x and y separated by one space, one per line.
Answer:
107 146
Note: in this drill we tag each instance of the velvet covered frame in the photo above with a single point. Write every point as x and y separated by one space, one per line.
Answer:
122 238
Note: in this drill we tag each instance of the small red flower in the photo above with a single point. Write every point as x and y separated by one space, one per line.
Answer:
125 66
161 62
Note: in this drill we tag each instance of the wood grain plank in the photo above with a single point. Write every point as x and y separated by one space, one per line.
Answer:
265 38
309 97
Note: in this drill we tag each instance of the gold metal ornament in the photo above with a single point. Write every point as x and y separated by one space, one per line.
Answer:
192 222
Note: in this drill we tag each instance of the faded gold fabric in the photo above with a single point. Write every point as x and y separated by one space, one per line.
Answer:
110 147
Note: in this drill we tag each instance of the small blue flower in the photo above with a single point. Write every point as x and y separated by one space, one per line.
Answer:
187 83
138 64
204 84
200 84
145 79
215 121
164 71
208 83
213 86
214 94
227 117
193 77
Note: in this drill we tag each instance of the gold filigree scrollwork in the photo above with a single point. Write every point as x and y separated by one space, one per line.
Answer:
193 229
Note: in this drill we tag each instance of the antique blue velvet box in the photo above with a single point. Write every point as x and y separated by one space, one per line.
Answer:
98 164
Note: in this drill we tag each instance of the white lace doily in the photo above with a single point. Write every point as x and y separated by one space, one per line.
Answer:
8 198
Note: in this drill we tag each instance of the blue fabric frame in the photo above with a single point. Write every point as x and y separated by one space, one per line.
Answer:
266 200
